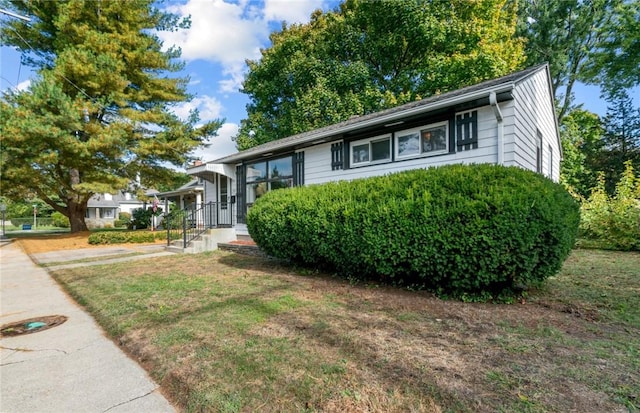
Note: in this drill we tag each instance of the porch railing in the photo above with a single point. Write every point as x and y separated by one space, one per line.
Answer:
189 224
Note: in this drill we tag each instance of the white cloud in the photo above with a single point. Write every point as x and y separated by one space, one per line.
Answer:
230 33
291 11
220 32
220 145
22 86
208 107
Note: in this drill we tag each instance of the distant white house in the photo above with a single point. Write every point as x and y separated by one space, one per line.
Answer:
103 209
508 121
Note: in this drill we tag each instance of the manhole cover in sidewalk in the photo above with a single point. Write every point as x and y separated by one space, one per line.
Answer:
31 325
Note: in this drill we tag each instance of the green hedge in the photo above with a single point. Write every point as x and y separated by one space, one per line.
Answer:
472 231
124 237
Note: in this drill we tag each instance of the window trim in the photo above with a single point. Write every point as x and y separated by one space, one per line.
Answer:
368 141
418 130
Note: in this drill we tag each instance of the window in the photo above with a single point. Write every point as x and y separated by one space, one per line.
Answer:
539 153
429 140
550 166
107 212
268 175
224 192
375 150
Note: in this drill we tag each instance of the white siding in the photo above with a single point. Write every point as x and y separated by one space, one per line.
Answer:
317 159
535 112
210 191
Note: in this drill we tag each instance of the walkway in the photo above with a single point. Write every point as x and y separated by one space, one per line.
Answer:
72 367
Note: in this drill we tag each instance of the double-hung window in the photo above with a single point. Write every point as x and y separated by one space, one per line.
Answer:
424 141
371 151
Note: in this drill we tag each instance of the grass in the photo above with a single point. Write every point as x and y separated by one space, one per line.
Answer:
226 333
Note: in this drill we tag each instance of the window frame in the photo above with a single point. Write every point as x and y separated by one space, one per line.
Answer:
268 180
369 141
419 131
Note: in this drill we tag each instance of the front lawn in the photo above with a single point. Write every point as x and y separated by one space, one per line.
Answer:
223 333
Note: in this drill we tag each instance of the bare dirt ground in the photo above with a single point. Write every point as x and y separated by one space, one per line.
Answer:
60 242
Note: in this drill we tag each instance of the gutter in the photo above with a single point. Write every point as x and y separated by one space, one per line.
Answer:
493 101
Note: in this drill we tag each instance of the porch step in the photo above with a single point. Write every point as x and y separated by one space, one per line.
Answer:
205 242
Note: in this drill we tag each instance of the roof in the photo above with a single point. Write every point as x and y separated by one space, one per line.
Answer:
190 187
498 85
98 201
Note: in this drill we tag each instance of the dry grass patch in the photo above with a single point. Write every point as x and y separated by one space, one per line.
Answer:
229 333
35 244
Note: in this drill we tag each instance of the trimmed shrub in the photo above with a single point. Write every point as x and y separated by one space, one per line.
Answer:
472 231
60 220
124 237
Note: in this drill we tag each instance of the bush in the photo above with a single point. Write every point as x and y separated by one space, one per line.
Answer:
60 220
141 218
613 222
471 231
122 237
124 219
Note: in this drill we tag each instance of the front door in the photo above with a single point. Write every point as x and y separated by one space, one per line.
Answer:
223 207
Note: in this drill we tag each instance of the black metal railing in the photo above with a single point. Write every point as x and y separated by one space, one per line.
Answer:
189 224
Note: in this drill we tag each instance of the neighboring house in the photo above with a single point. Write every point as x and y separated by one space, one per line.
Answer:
509 121
188 196
103 209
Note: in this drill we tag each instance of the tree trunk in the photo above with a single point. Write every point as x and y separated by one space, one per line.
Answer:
77 212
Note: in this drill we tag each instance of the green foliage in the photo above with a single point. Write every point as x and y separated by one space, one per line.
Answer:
472 231
59 220
124 219
124 216
615 62
141 218
564 33
122 237
371 55
99 113
581 134
614 221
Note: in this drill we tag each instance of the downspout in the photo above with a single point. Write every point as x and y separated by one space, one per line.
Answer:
493 101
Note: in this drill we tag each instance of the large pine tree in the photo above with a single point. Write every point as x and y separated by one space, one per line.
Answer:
99 113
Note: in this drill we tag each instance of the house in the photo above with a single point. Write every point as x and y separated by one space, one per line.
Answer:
188 196
103 209
510 121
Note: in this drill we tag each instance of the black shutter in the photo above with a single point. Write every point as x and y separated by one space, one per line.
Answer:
298 169
467 131
240 201
337 158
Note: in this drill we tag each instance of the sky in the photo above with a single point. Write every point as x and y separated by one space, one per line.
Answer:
223 34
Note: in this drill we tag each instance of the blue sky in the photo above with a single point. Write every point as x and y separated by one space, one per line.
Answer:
222 36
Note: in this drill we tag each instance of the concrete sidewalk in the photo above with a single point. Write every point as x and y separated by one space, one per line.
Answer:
72 367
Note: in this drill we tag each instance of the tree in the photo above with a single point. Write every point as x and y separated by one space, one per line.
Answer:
367 56
621 138
581 134
616 63
596 42
99 115
564 33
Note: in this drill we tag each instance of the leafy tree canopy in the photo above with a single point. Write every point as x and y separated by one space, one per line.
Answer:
371 55
595 42
99 115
